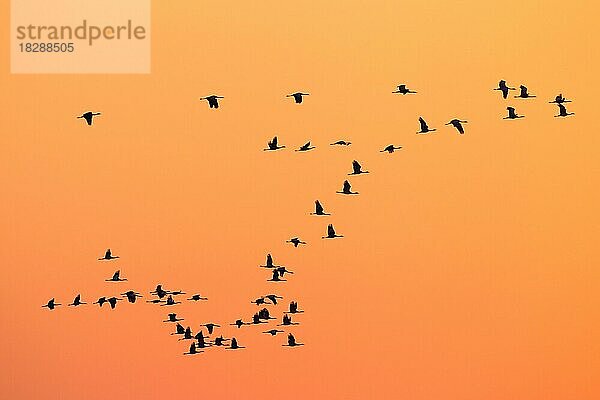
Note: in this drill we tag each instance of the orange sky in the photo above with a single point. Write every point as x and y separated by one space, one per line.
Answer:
469 266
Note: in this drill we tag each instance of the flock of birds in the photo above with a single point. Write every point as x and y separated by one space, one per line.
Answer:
200 340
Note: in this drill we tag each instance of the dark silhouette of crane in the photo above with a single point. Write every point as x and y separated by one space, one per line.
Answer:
297 96
273 332
390 149
113 302
173 318
347 188
331 233
131 296
89 116
269 263
306 147
504 88
273 298
101 301
77 301
562 111
213 101
357 169
424 127
116 277
273 145
291 342
51 304
457 123
108 256
197 297
295 241
193 350
341 143
512 114
524 93
403 90
319 210
559 100
210 327
234 345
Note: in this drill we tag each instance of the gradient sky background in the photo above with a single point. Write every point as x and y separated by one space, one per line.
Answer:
469 267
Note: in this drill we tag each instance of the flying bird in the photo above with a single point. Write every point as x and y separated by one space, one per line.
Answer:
197 297
51 304
424 127
294 308
101 301
173 318
340 143
331 233
131 296
220 341
291 342
273 332
282 271
269 263
116 277
179 329
524 94
287 321
357 169
88 116
457 123
193 350
305 147
272 145
560 99
347 189
170 301
108 256
213 101
319 210
234 345
297 96
256 320
210 327
390 149
295 241
259 301
512 114
113 302
276 276
77 301
563 111
273 298
504 88
239 323
402 89
160 292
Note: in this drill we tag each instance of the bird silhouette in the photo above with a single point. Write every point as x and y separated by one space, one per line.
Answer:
331 233
273 298
291 342
176 292
155 301
504 88
261 300
390 149
347 188
234 345
113 302
457 123
272 145
220 341
197 297
424 127
297 96
295 241
402 89
287 321
282 271
560 99
269 263
89 117
273 332
101 301
340 143
276 276
131 296
305 147
294 308
524 94
239 323
264 314
187 334
357 169
256 320
213 101
173 318
51 304
319 210
170 301
77 301
193 350
179 329
108 256
116 277
202 343
210 327
562 111
160 292
512 114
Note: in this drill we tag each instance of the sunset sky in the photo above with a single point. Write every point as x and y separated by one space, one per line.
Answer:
469 267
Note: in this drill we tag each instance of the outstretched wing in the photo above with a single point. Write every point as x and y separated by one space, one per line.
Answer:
356 167
424 127
116 275
347 186
330 230
562 109
318 207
